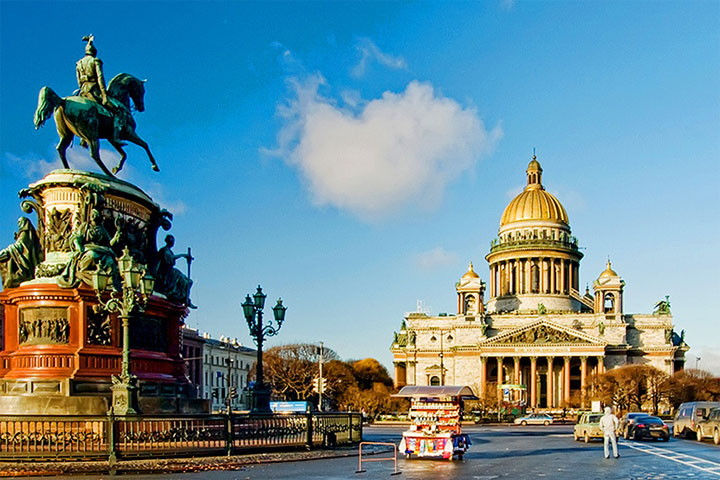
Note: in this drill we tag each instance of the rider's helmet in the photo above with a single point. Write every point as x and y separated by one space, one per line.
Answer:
90 48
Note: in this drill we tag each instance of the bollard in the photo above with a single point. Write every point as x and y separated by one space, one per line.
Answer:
112 456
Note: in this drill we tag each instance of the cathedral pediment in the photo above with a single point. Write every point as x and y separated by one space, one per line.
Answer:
541 333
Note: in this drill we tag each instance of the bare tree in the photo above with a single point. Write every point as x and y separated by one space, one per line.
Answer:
631 387
656 381
689 385
290 369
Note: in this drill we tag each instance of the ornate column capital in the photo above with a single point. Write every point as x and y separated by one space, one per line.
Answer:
567 359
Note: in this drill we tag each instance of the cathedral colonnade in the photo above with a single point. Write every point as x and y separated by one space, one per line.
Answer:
548 380
534 275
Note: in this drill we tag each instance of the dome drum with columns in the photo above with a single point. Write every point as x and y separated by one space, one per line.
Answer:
536 334
535 260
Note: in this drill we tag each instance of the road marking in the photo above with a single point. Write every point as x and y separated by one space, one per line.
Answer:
695 462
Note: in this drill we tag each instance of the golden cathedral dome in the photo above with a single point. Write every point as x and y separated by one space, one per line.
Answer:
534 203
608 272
471 273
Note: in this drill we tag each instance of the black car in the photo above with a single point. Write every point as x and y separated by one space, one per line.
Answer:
649 427
626 422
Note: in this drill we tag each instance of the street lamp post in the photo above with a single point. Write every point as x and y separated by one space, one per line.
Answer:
253 311
442 356
137 286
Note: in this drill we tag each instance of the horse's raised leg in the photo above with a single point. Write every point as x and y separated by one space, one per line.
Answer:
131 136
62 147
95 154
118 146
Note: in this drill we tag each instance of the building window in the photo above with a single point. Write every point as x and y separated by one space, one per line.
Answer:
434 381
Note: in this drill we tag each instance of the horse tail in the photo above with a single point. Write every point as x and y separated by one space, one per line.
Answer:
48 101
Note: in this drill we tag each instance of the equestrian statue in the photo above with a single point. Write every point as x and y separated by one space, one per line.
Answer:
94 111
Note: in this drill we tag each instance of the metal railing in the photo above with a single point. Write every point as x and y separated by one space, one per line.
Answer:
501 244
24 437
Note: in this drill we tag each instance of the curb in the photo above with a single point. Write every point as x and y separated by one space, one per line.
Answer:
172 465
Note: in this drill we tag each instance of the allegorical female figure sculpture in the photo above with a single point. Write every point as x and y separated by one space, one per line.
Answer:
93 251
169 280
18 260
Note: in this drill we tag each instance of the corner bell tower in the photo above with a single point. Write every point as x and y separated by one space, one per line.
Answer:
608 290
471 294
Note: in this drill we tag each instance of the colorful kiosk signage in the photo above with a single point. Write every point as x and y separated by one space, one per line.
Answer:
435 415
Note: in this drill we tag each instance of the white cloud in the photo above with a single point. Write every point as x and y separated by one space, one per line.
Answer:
352 98
507 4
437 257
514 191
31 166
399 148
34 167
572 200
287 61
370 52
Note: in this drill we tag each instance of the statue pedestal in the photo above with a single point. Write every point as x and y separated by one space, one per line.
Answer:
57 347
60 350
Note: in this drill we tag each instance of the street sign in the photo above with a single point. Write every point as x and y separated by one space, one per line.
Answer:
290 407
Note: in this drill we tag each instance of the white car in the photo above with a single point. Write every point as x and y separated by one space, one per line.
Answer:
534 419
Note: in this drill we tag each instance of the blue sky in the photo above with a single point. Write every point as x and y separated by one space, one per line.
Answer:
354 157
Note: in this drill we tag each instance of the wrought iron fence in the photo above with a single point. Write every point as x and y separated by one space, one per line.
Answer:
56 437
48 436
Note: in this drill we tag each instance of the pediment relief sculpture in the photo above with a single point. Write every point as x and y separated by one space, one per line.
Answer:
541 335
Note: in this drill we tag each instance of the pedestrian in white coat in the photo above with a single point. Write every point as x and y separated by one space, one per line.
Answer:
609 425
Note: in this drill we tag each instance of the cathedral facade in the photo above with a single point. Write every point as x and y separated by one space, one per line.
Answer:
536 339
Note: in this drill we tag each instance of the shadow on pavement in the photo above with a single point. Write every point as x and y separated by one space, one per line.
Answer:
529 453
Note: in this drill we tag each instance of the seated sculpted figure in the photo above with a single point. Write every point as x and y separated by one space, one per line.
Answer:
92 245
18 260
170 281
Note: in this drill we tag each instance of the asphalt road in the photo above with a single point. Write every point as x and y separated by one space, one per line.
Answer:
504 452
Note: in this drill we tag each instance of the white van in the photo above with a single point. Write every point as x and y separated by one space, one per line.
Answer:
689 415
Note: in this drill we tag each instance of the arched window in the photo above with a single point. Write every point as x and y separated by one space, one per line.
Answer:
434 381
469 307
609 303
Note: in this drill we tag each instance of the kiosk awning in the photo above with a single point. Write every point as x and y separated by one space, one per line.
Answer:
442 391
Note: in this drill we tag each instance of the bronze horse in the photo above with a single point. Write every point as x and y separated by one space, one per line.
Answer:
91 121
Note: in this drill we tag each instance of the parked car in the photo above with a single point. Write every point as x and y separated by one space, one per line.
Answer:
588 427
689 415
534 419
627 420
649 427
710 427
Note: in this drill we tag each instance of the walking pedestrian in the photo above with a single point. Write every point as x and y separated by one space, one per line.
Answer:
609 425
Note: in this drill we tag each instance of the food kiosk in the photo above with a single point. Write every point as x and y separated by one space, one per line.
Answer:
435 429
